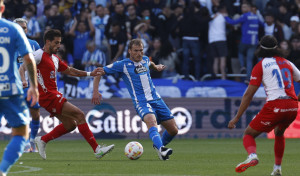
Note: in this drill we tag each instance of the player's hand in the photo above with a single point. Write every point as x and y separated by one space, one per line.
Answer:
160 67
96 97
232 123
25 84
33 94
98 71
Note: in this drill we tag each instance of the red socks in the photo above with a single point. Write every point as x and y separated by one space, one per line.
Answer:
279 149
88 135
249 144
55 133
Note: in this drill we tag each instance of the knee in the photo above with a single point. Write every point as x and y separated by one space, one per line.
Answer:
173 132
70 125
80 117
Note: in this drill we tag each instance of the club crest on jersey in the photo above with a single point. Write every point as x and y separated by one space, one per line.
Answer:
52 75
20 59
140 69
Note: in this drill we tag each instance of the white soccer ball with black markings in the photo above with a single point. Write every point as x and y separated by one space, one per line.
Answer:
134 150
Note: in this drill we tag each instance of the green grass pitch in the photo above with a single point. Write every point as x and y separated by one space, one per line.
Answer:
203 157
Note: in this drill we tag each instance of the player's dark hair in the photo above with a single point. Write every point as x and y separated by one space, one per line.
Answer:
268 47
135 42
51 34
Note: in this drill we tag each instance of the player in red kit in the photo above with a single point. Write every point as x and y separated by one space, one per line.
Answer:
277 75
48 64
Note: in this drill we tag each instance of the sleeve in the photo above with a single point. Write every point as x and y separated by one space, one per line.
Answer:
147 60
115 67
237 21
256 75
62 66
36 45
296 72
22 43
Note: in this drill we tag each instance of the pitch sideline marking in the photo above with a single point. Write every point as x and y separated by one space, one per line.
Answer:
30 169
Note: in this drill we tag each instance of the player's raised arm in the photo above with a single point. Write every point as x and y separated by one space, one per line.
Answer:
31 69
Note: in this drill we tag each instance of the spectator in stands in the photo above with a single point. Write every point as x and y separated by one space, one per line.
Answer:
99 22
33 27
40 7
217 42
168 57
93 57
92 8
286 47
68 23
165 21
120 17
42 20
270 28
250 27
81 36
55 20
140 31
116 42
189 27
295 50
147 17
154 50
175 35
131 20
65 55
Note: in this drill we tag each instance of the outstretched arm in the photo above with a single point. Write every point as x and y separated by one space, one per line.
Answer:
158 67
75 72
96 94
246 100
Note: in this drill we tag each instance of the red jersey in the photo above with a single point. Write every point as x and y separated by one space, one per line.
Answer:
47 67
277 75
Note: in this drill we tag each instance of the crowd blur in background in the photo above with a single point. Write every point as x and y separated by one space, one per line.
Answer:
191 37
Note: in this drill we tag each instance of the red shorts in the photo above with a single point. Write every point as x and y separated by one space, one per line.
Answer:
53 102
280 112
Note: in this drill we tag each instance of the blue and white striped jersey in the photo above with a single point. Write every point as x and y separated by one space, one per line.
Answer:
12 40
34 46
137 78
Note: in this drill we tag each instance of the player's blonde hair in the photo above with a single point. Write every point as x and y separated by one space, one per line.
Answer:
135 42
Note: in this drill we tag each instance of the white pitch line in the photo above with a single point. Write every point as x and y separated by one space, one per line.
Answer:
30 169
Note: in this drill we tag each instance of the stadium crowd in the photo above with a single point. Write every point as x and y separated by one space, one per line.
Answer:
190 37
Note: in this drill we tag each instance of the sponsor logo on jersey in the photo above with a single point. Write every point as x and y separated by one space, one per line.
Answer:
52 75
140 69
4 87
4 78
20 59
4 30
253 78
276 110
4 40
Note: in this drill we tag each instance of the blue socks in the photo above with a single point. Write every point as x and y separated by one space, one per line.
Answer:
34 126
12 153
155 137
166 138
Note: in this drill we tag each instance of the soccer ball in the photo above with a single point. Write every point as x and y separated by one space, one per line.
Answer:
133 150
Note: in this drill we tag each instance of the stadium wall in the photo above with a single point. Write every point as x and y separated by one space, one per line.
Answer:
195 117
